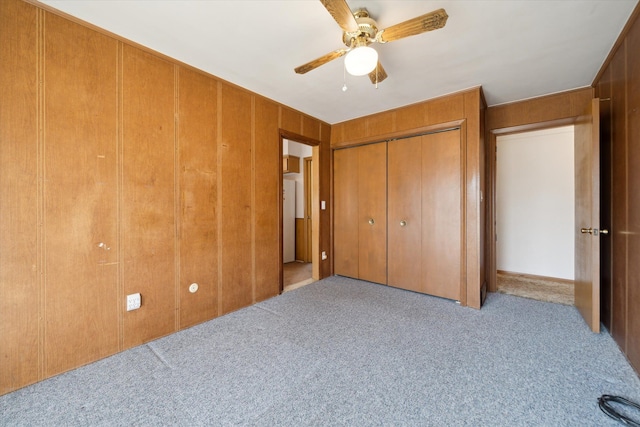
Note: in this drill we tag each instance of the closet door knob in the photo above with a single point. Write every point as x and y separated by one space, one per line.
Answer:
403 223
586 230
103 246
371 221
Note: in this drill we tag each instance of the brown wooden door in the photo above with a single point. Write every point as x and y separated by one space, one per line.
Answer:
308 211
372 212
425 214
442 214
405 213
345 199
360 237
587 215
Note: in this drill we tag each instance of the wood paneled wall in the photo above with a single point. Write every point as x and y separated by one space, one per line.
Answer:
20 207
80 189
464 109
125 171
618 85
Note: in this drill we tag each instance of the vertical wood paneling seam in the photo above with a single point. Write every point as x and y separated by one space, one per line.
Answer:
471 182
253 200
40 231
464 191
626 194
280 202
301 125
176 192
219 192
280 213
386 198
464 144
120 192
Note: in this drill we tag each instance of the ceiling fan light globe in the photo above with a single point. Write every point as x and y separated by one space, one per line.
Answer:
361 61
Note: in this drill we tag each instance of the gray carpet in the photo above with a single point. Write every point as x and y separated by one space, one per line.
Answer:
345 352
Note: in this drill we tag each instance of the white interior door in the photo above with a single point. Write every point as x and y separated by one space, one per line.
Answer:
288 220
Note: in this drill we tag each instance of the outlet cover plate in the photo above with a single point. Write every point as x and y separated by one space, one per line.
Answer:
133 302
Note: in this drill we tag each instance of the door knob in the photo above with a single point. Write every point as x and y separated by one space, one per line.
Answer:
403 223
604 231
586 230
371 221
103 246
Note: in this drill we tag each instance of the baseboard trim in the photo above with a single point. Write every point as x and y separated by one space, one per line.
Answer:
534 277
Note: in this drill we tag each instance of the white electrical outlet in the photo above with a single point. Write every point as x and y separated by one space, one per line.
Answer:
133 302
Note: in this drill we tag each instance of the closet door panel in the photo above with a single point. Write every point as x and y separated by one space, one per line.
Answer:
405 213
148 199
345 199
198 223
81 246
442 214
372 212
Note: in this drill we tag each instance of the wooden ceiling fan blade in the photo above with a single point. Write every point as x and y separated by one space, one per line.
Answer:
312 65
340 11
427 22
378 74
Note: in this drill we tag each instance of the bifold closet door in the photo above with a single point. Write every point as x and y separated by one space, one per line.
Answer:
372 213
425 214
360 242
405 213
442 208
345 199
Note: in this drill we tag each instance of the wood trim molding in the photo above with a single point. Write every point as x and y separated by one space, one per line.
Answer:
400 134
286 134
535 277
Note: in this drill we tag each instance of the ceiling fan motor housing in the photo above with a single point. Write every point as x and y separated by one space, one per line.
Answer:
366 33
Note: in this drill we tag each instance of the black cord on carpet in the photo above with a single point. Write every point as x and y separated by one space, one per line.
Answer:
604 402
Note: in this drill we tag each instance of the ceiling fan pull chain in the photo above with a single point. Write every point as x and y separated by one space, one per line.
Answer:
344 77
377 74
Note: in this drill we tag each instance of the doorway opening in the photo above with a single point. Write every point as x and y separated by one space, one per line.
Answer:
534 217
298 195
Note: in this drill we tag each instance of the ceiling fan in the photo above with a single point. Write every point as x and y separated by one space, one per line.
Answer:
360 31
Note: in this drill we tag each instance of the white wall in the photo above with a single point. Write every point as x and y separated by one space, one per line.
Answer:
300 150
535 203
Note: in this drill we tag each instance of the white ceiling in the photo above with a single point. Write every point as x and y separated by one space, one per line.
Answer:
514 49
